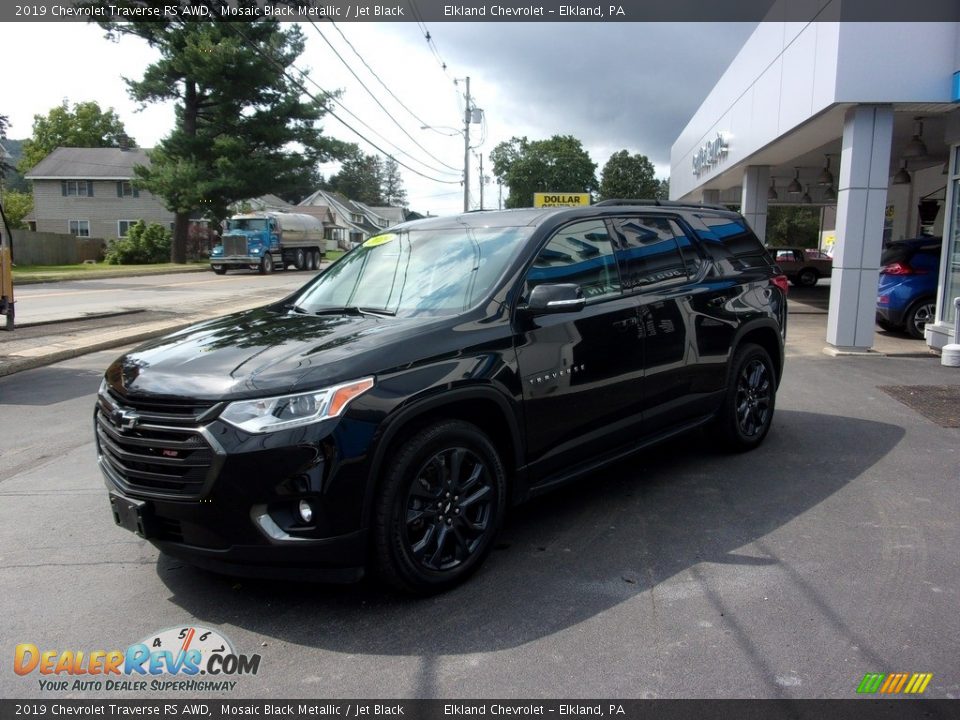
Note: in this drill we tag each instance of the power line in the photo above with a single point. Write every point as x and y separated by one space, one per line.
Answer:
376 99
382 83
330 96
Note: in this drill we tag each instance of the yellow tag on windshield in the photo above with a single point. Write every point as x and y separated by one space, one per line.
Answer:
380 240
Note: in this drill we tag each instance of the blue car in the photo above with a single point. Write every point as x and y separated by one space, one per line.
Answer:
907 293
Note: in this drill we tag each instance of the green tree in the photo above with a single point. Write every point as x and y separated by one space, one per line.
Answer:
559 164
628 176
793 225
392 189
663 192
361 178
17 205
242 127
85 125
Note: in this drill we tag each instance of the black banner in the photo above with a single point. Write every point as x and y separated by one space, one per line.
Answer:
483 10
855 709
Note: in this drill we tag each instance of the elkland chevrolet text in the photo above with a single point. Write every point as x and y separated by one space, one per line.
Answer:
387 414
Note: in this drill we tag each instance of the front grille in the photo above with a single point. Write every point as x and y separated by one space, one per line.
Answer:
234 245
161 454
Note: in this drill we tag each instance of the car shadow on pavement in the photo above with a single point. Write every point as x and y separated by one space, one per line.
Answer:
569 556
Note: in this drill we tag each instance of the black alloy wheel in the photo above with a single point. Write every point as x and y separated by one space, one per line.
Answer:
440 508
747 410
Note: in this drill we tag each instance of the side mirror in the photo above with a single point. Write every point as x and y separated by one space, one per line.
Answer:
558 298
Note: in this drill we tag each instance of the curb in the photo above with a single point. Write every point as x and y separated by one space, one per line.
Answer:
18 364
109 275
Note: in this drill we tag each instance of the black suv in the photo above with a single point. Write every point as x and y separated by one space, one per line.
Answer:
389 412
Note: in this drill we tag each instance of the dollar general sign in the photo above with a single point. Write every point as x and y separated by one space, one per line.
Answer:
541 199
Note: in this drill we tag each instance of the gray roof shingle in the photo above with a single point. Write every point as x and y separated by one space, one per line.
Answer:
89 164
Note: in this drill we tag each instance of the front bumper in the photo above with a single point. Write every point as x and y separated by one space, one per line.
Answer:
235 261
239 515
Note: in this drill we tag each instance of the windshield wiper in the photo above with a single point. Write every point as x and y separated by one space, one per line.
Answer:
354 310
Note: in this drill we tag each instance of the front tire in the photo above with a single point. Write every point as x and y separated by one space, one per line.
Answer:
920 313
219 270
439 508
266 265
747 411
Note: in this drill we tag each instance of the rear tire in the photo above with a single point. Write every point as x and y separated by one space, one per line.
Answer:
920 313
807 277
317 259
439 508
301 261
266 265
747 411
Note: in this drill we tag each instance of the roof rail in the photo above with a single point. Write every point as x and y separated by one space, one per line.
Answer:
659 203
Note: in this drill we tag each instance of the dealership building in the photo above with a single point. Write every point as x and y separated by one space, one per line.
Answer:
859 119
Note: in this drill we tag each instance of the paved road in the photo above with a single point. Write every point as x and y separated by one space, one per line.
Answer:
174 293
787 572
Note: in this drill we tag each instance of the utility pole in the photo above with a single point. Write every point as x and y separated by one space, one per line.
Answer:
466 152
482 179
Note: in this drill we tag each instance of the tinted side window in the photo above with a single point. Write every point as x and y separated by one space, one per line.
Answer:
726 236
648 252
582 254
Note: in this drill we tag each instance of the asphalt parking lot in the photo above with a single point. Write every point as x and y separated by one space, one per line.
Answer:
788 572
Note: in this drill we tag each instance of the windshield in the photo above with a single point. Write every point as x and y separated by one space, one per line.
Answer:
417 272
246 224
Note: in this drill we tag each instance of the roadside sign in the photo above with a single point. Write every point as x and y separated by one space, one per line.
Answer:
556 199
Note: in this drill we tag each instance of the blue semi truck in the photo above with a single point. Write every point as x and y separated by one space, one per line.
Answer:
268 241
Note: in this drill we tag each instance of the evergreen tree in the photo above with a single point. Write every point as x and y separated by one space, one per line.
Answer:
242 128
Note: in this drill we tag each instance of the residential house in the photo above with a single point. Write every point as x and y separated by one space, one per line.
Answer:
89 192
343 223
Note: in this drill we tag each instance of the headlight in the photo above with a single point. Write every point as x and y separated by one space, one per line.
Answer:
290 411
217 250
255 251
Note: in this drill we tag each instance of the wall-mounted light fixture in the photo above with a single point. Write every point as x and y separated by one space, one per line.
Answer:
772 192
806 199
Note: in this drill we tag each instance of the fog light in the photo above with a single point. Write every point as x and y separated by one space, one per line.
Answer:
306 512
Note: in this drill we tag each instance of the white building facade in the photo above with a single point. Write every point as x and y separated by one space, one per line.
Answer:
844 101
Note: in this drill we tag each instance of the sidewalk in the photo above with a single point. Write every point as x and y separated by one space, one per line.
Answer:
43 344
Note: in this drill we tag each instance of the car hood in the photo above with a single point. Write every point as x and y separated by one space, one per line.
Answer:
259 351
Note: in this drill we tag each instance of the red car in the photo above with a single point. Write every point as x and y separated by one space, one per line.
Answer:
803 266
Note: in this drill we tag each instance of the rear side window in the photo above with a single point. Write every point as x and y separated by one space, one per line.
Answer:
725 237
649 252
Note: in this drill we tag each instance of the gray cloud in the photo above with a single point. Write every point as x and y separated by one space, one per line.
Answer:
612 85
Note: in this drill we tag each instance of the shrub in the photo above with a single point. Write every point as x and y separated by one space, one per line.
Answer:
144 244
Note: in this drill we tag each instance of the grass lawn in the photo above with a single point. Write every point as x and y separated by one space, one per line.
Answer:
26 274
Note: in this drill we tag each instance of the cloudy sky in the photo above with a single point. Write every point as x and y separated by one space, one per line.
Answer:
613 86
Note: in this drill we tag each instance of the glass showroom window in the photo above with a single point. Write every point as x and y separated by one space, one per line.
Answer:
951 286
